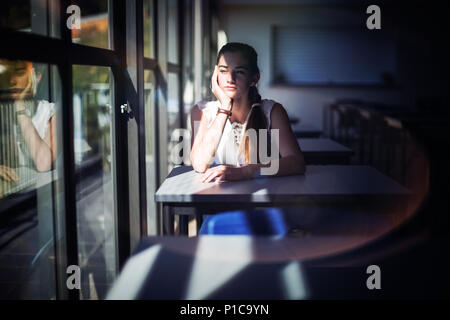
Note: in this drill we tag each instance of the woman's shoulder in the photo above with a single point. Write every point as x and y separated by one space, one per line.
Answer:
208 108
267 105
44 111
46 106
274 111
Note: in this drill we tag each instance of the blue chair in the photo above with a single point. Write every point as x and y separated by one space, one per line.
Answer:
261 222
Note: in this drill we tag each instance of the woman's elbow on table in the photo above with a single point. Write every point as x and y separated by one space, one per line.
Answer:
199 166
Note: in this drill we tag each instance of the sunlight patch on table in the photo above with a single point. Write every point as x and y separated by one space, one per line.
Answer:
218 263
134 274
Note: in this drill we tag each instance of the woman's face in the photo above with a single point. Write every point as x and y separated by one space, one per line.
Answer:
22 78
234 75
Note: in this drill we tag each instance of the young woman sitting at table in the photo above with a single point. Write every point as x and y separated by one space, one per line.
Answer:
223 124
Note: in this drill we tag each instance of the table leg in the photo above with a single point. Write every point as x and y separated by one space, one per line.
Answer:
168 221
159 216
184 225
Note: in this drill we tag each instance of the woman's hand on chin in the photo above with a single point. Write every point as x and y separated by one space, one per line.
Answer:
224 173
224 100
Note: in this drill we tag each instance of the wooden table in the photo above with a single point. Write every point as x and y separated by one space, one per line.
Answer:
324 151
307 131
183 193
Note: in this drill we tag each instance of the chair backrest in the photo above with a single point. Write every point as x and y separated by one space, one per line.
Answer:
261 222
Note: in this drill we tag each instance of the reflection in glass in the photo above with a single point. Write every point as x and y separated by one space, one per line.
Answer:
30 16
94 189
29 187
149 49
94 29
149 92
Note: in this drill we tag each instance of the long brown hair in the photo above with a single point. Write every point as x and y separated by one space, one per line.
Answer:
256 119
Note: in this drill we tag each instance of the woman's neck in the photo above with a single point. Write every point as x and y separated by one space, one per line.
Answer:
240 111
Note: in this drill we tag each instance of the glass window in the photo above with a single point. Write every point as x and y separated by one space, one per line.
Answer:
188 97
149 93
31 194
30 16
94 24
187 33
188 79
173 114
173 31
92 115
149 49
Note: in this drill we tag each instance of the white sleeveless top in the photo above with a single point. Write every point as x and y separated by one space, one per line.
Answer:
228 150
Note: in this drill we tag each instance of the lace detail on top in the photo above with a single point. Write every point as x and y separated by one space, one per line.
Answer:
237 129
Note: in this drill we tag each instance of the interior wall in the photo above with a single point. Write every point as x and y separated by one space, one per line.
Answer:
252 24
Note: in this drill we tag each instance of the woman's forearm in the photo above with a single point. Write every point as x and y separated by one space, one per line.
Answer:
205 147
39 150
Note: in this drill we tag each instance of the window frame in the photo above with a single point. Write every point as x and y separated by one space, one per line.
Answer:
126 35
64 54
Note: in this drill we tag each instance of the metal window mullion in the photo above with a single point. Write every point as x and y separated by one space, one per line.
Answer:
160 109
198 52
160 139
131 98
153 65
141 116
181 82
86 55
69 157
115 101
162 80
155 135
120 142
19 44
